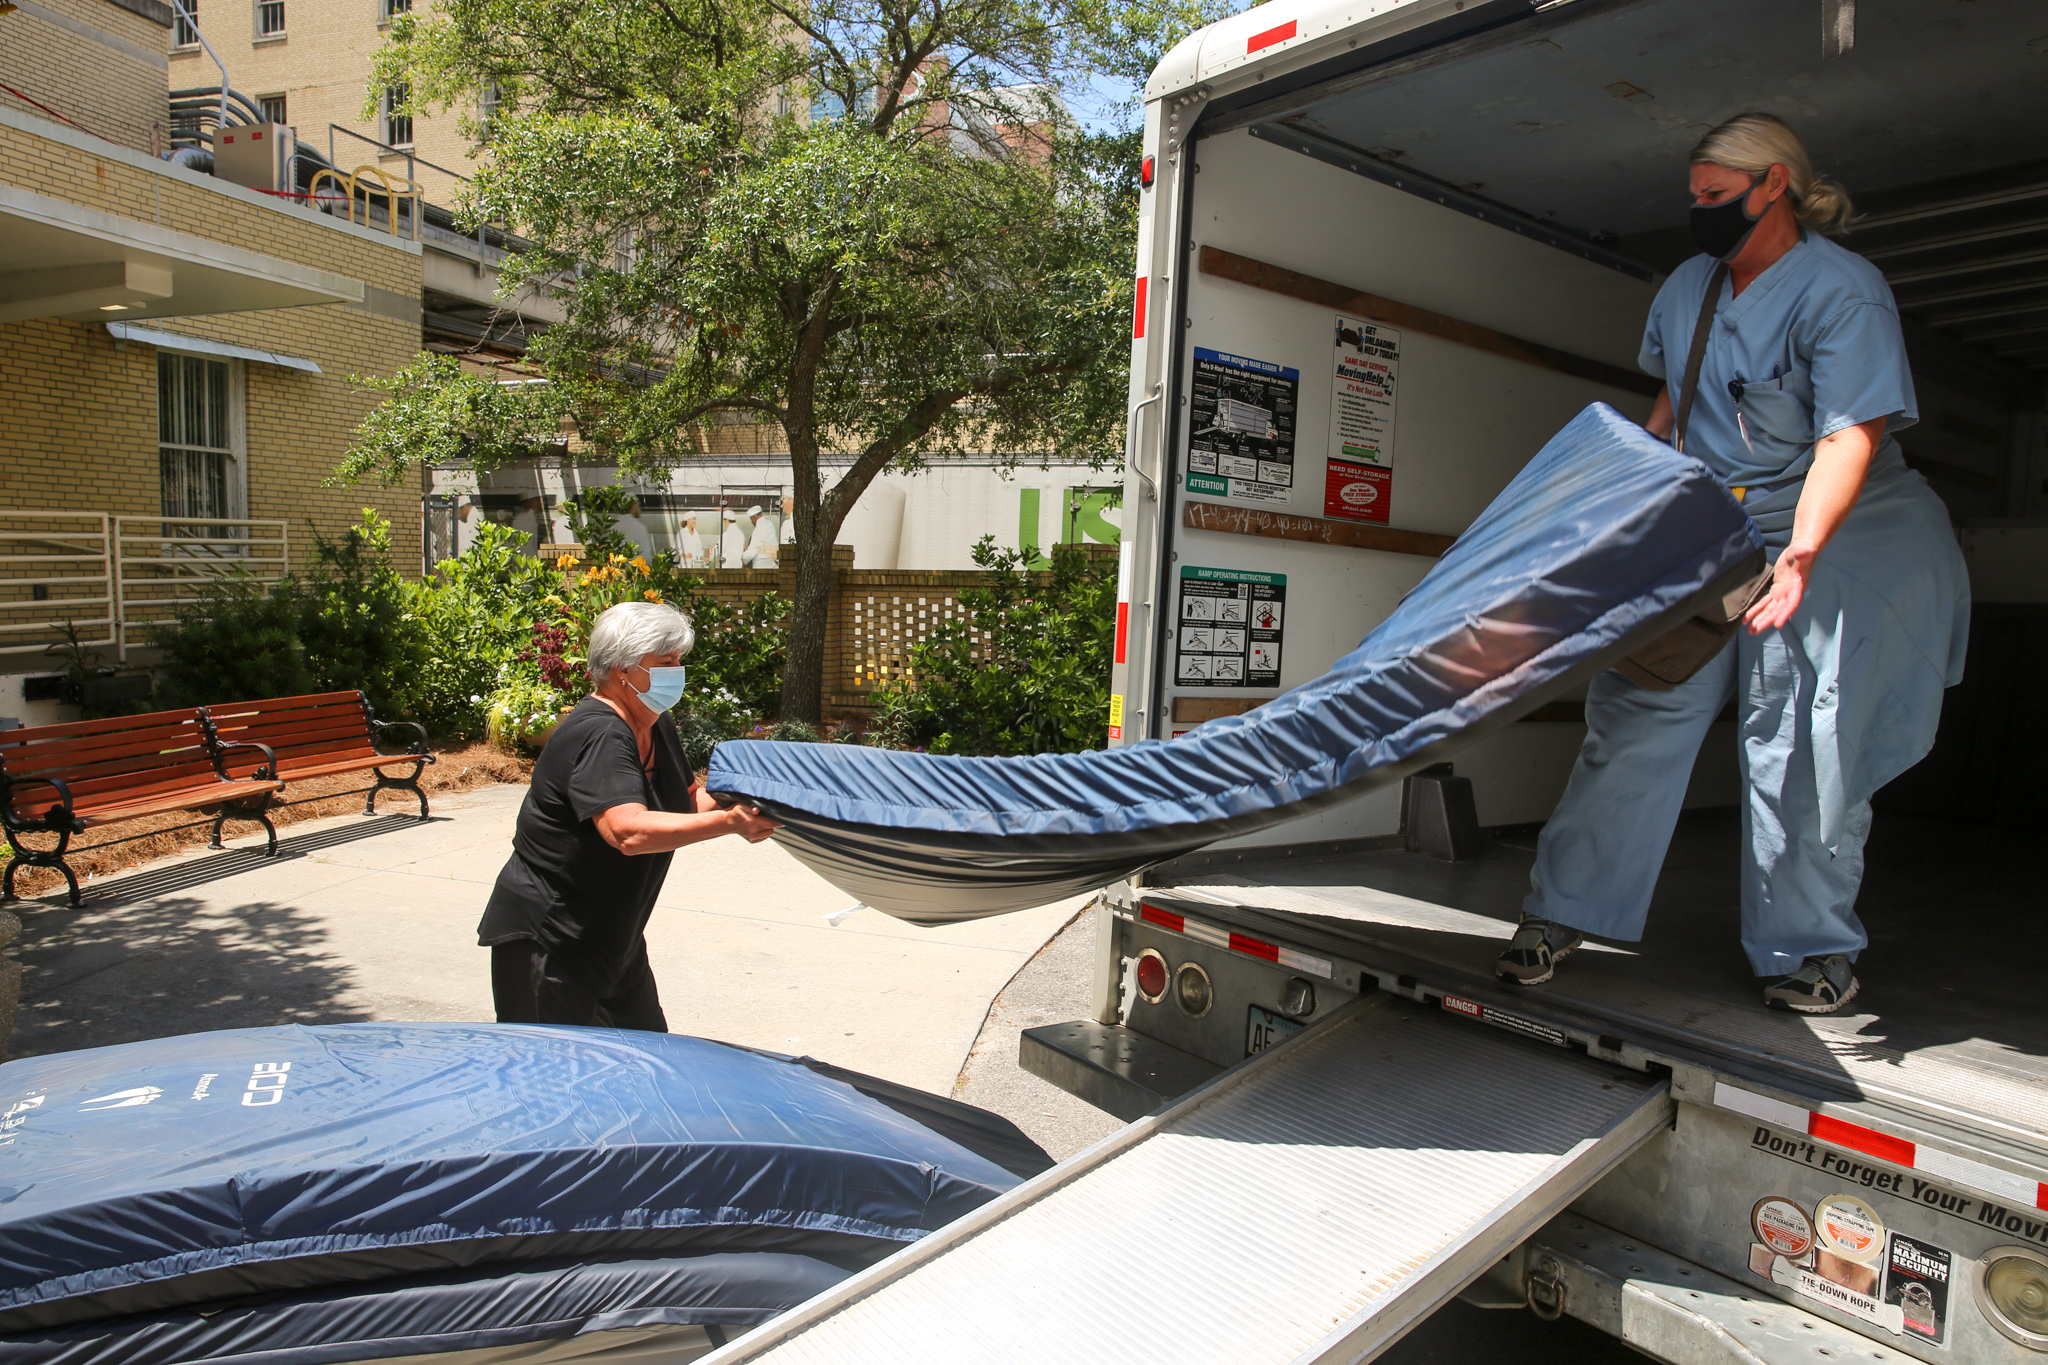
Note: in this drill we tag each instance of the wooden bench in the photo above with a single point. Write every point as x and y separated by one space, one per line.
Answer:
63 780
315 736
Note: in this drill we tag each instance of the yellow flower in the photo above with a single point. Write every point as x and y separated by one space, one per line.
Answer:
640 563
618 559
566 562
585 581
651 595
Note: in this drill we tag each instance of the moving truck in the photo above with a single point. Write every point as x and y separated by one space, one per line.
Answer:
1388 248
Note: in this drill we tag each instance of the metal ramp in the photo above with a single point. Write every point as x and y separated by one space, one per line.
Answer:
1311 1204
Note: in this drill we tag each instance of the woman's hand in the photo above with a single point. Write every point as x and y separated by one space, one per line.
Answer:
1841 461
1788 586
750 824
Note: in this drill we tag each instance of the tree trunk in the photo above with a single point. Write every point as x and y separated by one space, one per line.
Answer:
803 673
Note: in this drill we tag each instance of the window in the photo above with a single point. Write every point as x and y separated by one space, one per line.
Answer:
397 125
199 421
273 107
488 102
185 32
392 7
269 18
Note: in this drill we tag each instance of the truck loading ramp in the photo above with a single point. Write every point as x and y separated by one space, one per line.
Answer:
1310 1204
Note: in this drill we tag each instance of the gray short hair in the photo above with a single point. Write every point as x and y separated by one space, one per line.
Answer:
631 630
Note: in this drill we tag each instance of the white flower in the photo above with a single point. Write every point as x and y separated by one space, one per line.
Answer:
474 698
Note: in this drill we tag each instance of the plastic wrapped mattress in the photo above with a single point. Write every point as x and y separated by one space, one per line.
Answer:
1606 539
213 1167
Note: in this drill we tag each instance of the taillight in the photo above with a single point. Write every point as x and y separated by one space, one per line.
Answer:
1145 172
1151 975
1192 991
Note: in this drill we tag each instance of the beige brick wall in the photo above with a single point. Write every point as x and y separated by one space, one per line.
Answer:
322 68
97 63
82 425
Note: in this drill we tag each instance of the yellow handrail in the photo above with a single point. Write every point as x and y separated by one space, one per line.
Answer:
353 182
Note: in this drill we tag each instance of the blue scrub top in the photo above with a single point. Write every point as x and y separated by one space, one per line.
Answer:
1815 345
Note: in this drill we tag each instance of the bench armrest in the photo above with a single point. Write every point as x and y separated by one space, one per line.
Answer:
268 771
418 748
49 818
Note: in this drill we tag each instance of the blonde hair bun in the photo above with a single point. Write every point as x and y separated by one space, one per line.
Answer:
1753 143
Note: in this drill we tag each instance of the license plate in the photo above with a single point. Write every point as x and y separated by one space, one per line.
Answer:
1263 1028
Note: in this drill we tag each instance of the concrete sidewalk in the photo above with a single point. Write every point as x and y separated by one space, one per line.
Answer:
375 918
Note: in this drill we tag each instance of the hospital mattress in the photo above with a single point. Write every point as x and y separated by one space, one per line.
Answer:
1605 540
215 1168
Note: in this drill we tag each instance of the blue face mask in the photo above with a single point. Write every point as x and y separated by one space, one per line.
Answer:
664 688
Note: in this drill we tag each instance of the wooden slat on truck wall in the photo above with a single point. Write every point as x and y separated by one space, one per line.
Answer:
1251 521
1228 265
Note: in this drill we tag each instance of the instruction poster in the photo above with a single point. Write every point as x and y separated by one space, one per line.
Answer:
1230 626
1241 441
1359 482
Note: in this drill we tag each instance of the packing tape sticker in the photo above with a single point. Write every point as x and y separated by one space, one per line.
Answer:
1782 1226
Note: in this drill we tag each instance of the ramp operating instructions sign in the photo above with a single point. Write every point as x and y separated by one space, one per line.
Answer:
1359 484
1241 439
1230 624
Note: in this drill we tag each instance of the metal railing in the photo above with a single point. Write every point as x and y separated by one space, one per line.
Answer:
111 580
393 190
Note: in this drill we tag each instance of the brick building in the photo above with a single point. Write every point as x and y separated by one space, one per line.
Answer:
176 350
307 63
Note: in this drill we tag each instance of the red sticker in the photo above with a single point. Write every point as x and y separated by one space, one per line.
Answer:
1358 492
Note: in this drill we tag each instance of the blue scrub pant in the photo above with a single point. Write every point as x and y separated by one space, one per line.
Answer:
1598 858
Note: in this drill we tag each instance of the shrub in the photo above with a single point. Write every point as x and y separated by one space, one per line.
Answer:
357 622
593 520
1026 673
706 718
477 613
238 640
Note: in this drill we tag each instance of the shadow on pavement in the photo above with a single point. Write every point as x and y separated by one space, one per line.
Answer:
144 960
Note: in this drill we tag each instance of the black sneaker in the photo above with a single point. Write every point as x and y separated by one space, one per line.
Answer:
1822 986
1531 958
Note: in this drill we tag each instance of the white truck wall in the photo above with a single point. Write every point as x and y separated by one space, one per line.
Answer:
1466 420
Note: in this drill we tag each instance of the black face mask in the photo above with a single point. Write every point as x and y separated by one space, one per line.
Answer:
1721 229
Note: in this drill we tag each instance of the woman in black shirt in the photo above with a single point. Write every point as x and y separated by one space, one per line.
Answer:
612 797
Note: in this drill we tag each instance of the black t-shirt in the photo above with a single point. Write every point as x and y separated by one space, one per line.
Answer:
564 884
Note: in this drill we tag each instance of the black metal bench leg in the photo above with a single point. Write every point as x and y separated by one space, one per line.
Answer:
7 882
270 849
218 822
71 880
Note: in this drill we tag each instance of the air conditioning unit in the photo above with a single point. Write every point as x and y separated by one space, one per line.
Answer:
258 155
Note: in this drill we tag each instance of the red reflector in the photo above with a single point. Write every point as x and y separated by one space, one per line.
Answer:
1145 172
1123 628
1854 1136
1165 919
1138 316
1254 947
1151 975
1261 41
2041 1196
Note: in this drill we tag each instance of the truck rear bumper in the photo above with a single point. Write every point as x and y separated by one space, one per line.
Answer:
1663 1305
1111 1067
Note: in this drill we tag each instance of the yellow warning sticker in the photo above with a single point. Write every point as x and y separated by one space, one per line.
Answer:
1116 708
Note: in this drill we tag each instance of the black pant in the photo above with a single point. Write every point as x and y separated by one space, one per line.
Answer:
531 985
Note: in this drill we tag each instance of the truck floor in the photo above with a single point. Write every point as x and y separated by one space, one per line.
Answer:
1949 1016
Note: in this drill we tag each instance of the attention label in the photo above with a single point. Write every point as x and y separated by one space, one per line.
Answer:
1241 433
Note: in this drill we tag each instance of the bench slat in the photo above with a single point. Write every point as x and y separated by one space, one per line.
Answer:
33 756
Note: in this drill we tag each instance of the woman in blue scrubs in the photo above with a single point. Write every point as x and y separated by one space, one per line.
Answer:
1837 673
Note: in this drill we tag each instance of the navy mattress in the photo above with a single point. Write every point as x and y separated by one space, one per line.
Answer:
645 1307
1605 540
215 1166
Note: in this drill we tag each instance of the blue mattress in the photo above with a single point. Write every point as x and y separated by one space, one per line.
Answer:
495 1312
213 1166
1605 540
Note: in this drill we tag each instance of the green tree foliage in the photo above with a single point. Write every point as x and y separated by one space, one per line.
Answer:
1026 673
862 221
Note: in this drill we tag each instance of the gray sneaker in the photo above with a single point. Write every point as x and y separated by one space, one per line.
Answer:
1822 986
1532 955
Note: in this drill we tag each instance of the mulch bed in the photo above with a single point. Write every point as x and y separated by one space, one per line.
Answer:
459 768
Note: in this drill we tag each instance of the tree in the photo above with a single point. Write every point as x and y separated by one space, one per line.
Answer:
865 222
